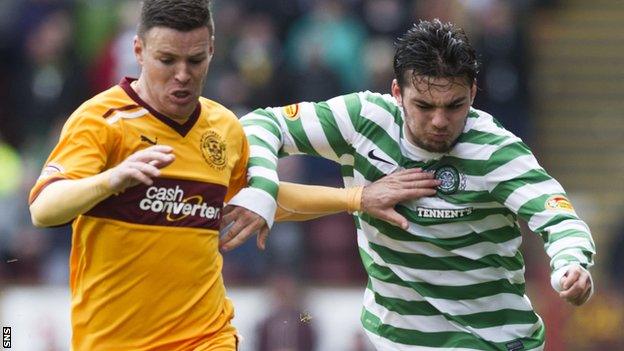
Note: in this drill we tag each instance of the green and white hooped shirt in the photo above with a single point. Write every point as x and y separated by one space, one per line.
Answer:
455 278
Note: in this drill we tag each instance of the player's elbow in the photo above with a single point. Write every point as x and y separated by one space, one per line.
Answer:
37 219
41 218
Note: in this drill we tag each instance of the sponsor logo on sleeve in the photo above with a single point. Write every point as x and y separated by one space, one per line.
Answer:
558 202
50 169
291 111
213 149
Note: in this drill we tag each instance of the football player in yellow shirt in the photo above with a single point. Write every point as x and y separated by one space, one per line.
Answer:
142 171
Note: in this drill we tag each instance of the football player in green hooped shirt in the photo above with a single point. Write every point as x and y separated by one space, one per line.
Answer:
445 271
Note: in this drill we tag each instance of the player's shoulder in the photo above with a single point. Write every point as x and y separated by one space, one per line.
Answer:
486 127
101 107
383 100
217 113
217 110
484 137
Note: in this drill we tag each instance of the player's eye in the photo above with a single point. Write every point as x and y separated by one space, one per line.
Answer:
196 61
166 60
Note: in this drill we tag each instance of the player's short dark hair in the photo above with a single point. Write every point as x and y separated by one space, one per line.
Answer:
435 50
182 15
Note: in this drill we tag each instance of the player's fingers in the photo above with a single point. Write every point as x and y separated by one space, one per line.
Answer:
425 183
158 158
577 290
414 194
576 295
262 237
415 176
585 296
146 168
161 163
242 236
229 214
407 175
569 278
151 155
393 217
233 232
159 148
572 291
133 177
582 297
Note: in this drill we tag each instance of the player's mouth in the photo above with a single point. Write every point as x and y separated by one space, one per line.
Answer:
439 137
181 97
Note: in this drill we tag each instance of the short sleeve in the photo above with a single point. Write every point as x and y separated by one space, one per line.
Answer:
83 150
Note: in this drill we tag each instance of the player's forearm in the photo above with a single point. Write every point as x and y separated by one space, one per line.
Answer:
62 201
570 245
297 202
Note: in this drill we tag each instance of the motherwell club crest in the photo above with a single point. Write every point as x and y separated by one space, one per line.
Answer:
213 149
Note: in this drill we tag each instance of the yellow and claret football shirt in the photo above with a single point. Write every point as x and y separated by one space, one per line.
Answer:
145 270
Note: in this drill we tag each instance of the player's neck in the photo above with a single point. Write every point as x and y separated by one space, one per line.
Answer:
141 90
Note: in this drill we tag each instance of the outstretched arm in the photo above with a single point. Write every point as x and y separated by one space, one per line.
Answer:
297 202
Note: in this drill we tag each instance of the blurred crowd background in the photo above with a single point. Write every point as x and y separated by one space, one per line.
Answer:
553 73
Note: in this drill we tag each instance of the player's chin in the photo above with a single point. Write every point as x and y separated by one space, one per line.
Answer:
181 108
438 146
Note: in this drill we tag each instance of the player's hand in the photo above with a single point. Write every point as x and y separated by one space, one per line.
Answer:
140 167
242 224
380 197
576 285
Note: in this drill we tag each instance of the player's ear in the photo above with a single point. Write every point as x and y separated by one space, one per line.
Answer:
138 49
396 92
212 46
473 91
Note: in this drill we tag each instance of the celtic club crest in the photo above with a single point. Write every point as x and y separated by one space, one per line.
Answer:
451 179
213 149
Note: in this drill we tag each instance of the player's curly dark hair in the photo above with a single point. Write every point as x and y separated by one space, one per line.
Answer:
434 49
182 15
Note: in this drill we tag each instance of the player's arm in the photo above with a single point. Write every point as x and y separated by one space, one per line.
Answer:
323 129
61 200
516 180
295 202
298 202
